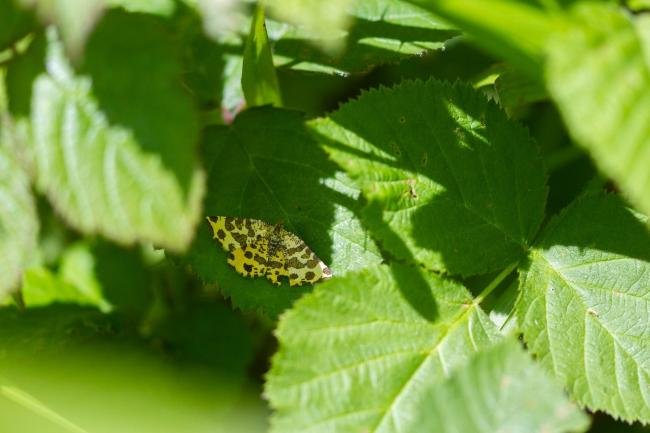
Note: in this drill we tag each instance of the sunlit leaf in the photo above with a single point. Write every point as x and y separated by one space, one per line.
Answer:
584 305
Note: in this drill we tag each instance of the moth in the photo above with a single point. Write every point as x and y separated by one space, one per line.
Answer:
256 248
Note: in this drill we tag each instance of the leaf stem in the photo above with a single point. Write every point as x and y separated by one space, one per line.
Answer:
495 283
34 405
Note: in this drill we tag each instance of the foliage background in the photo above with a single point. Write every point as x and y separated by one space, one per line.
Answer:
476 174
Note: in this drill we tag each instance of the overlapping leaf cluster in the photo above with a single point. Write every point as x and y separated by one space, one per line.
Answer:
427 199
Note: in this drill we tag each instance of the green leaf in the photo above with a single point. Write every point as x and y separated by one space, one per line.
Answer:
382 31
365 351
584 303
96 175
258 80
283 178
599 74
318 17
125 279
514 30
517 91
638 5
203 61
500 390
74 19
158 7
75 282
135 64
452 183
18 219
64 366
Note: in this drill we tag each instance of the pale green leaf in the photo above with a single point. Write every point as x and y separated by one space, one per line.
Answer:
71 370
96 175
514 30
584 306
74 19
18 218
638 5
75 282
500 390
598 72
259 81
381 31
319 17
157 7
452 183
364 351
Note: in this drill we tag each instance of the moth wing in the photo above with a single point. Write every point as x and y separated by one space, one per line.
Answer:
301 264
275 266
245 241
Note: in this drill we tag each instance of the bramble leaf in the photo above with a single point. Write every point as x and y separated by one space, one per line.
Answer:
393 349
598 72
363 352
96 175
499 390
266 166
381 31
584 303
452 183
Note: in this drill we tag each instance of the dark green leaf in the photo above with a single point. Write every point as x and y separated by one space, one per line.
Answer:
266 166
136 69
452 183
15 23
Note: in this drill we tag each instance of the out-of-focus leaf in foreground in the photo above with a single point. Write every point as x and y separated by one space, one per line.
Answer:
67 369
598 72
74 19
583 309
96 174
14 23
18 219
75 281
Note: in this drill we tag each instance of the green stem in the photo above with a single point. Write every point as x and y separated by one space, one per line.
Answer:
34 405
495 283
